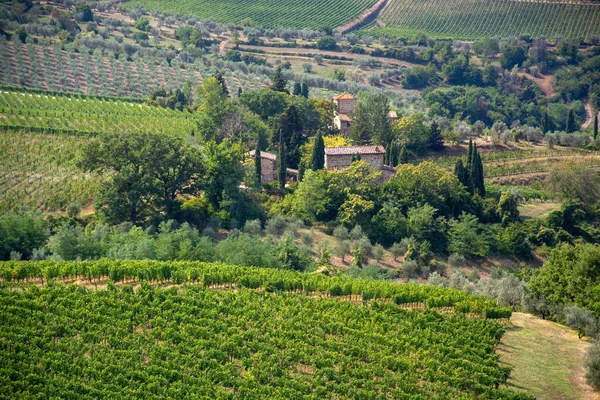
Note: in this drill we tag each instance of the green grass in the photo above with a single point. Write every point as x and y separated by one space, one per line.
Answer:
313 14
547 359
471 19
537 210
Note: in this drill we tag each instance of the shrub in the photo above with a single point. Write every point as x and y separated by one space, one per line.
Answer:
409 269
341 233
456 260
252 227
276 225
356 233
592 364
308 238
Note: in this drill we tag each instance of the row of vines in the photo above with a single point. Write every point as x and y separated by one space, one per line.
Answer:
38 171
191 342
489 18
209 274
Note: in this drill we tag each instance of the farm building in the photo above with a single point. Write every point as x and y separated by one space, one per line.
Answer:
345 104
337 158
268 166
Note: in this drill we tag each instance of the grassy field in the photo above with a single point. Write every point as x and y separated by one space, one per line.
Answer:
483 18
547 359
537 210
314 14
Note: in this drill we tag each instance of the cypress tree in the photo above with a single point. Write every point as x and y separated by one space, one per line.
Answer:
545 122
297 89
394 154
304 89
477 175
596 127
470 155
301 170
240 91
257 166
281 162
403 157
279 83
461 173
317 158
571 122
436 142
358 157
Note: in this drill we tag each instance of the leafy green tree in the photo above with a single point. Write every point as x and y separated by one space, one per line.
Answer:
582 320
513 55
297 91
22 231
304 90
388 225
508 207
317 158
86 14
411 132
571 122
264 102
326 43
143 24
461 173
213 108
279 83
311 198
289 129
436 142
467 238
147 172
574 182
370 120
570 276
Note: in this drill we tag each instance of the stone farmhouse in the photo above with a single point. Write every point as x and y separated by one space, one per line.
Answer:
336 158
268 165
345 104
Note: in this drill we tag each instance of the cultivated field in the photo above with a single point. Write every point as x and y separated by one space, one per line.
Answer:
38 171
313 14
485 18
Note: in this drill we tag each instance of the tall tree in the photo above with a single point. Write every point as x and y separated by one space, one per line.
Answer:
279 82
477 174
281 162
297 89
257 166
461 173
403 157
436 142
571 122
147 172
221 80
545 122
596 126
290 129
317 159
370 119
304 89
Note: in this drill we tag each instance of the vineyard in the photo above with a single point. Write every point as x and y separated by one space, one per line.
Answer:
472 19
268 13
269 337
38 171
77 114
75 70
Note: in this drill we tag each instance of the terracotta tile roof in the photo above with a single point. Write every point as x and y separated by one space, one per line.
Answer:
344 117
344 96
264 154
349 150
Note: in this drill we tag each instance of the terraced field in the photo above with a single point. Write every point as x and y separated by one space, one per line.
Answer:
38 171
313 14
472 19
77 71
77 114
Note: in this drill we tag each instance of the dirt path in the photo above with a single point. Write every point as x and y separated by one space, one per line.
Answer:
589 115
369 14
547 359
223 46
545 83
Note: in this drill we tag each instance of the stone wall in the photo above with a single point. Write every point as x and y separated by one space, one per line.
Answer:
341 161
346 106
268 170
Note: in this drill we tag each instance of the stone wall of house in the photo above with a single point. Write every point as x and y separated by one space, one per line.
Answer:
341 161
346 106
268 170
